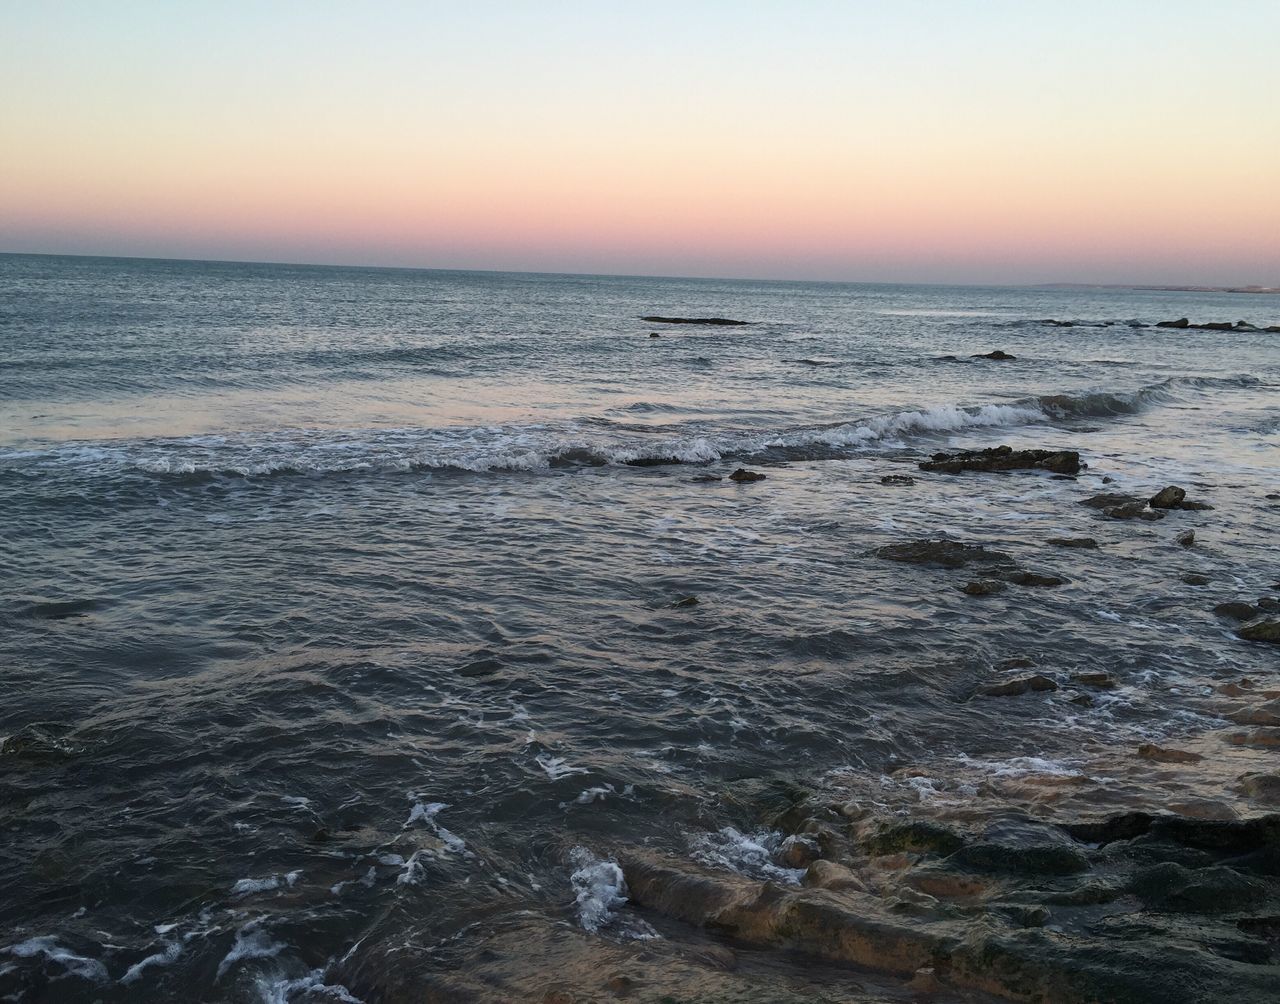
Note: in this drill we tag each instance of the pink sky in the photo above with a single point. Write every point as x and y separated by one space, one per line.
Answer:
852 143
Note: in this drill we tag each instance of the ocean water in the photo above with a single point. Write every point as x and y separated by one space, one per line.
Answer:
342 624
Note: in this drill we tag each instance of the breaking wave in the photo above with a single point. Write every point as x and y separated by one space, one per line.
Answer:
592 442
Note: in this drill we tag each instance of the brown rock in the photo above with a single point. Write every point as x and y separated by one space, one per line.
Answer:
1150 751
1262 714
1255 737
829 875
983 587
744 476
1186 538
1264 788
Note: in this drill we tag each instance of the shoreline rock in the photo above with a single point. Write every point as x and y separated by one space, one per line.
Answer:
1004 458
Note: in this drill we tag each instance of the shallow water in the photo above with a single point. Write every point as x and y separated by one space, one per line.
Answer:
340 628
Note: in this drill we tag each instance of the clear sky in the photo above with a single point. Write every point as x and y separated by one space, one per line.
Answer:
927 140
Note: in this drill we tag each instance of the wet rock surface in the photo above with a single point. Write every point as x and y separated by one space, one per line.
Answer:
744 476
1004 458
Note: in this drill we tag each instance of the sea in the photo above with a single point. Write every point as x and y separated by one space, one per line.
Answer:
354 616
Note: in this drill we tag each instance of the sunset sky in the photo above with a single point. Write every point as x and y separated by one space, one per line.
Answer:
964 141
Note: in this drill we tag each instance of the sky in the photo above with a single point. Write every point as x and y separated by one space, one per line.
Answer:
1128 141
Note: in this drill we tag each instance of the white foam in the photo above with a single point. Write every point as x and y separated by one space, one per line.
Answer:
311 986
249 886
165 957
599 889
557 767
746 853
591 795
252 942
76 965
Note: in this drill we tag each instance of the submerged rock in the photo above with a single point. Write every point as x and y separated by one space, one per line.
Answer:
1109 500
1236 610
1004 458
1185 538
1132 510
897 479
1194 578
945 553
1021 577
1103 681
744 476
1150 751
686 601
695 320
1181 322
983 587
1015 688
1085 543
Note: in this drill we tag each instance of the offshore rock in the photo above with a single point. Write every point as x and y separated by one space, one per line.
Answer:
983 587
1004 458
945 553
1108 500
722 321
1186 538
1268 630
999 355
1015 688
744 476
1086 543
1168 498
1236 611
1181 322
1132 510
897 479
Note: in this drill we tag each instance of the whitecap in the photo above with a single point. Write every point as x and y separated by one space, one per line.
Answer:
253 941
76 965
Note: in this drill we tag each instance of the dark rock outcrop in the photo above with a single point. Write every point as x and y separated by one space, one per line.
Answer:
744 476
897 479
1108 500
1167 498
1265 630
1181 322
999 355
722 321
1080 543
943 553
1018 686
1004 458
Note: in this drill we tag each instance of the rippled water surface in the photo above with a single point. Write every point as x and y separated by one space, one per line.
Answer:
350 614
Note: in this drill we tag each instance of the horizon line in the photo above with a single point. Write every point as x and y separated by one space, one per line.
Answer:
1171 287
